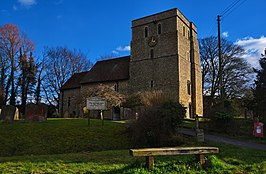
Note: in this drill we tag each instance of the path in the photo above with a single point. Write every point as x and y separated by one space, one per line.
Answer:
223 139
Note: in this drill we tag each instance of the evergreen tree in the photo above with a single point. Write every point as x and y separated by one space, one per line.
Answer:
27 79
260 89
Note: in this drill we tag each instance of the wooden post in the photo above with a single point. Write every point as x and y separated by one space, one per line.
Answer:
149 162
102 117
200 158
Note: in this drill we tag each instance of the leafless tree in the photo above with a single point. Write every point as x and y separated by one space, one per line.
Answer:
235 70
60 63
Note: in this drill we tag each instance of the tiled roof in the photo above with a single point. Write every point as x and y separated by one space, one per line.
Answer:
74 81
108 70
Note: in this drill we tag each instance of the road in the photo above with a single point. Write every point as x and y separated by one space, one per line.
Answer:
224 139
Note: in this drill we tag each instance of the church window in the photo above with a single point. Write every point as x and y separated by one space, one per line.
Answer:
146 31
152 53
189 87
116 87
159 28
184 31
190 110
152 84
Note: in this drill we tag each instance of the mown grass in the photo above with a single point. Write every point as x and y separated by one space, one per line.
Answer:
77 148
58 136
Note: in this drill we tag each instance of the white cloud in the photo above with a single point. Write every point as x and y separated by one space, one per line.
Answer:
125 48
121 49
115 52
225 34
27 3
254 47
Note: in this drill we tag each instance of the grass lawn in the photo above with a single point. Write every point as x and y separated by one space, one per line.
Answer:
70 146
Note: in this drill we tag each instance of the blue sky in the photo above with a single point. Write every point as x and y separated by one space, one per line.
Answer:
103 27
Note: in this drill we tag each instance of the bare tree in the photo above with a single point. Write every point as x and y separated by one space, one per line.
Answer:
39 79
235 70
60 64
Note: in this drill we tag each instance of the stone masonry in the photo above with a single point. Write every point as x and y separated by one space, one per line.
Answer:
164 56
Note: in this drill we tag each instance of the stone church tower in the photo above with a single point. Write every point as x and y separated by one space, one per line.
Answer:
165 56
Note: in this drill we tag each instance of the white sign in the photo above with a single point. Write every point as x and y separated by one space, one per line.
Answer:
96 103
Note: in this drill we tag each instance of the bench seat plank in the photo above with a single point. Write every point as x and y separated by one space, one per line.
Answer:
173 151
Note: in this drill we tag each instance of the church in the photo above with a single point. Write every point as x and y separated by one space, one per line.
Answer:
164 56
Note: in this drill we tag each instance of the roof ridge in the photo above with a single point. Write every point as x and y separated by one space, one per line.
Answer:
114 58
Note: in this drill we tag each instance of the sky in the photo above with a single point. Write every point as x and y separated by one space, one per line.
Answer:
102 28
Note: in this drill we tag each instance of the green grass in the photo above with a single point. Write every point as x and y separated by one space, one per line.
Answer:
58 136
70 146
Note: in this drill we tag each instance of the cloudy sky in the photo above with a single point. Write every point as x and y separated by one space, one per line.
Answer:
103 27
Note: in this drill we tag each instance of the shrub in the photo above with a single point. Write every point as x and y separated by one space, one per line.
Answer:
157 125
222 118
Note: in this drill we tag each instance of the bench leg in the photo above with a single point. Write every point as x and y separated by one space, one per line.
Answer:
200 158
149 162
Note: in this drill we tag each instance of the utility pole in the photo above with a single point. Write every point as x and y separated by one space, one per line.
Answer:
220 71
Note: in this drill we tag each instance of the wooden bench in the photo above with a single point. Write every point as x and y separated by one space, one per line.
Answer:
149 153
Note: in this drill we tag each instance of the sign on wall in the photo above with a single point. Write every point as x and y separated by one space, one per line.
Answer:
96 103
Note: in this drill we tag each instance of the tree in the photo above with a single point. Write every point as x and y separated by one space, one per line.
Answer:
235 70
27 78
104 91
60 64
11 41
39 79
260 88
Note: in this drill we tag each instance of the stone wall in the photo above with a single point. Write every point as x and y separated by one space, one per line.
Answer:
168 61
169 67
70 103
157 72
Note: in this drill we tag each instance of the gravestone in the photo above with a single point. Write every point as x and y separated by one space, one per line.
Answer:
8 113
36 113
200 135
16 116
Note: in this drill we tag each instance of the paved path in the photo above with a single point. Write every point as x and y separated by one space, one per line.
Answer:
223 139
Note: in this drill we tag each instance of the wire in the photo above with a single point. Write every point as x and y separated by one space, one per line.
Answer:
233 9
230 7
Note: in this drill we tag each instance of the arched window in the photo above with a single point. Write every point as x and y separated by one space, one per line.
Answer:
152 53
188 87
190 110
152 84
159 28
146 32
116 86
